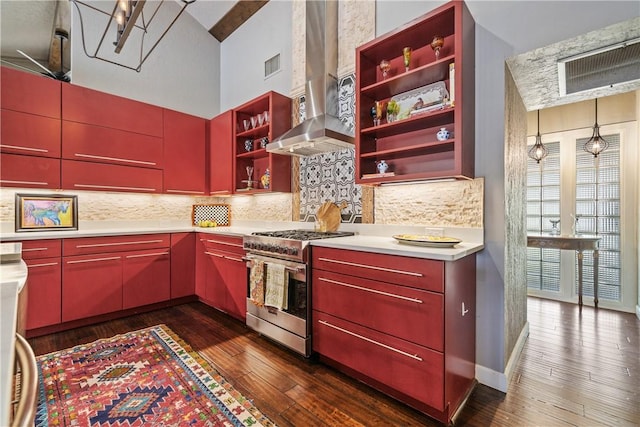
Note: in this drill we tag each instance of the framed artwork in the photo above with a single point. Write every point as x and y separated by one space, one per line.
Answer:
46 212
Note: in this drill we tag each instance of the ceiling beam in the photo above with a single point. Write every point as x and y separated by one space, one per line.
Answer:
234 18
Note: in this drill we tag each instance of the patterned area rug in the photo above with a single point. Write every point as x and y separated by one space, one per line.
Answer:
146 377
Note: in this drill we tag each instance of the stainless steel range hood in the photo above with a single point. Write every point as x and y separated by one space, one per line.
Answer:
322 131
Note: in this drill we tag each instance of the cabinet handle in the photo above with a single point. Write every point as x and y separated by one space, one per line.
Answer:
184 191
463 310
46 264
97 245
80 261
8 181
113 187
34 249
335 282
371 267
220 192
145 255
353 334
222 243
215 255
118 159
19 147
233 259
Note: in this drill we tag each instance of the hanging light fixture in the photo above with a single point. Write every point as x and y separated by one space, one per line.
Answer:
596 144
128 15
538 151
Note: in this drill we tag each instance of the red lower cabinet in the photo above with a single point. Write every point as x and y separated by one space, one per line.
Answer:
91 285
44 292
183 264
146 278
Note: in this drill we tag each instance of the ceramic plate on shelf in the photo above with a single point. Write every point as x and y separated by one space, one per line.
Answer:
421 100
428 241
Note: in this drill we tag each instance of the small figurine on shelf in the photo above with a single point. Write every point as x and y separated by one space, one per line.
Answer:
382 167
264 141
385 66
266 179
443 134
248 144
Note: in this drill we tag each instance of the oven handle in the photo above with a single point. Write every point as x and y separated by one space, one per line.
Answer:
291 269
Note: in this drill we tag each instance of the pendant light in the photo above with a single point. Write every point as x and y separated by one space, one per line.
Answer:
538 151
596 144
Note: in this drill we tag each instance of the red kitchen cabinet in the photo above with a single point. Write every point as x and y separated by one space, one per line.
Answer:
105 177
83 105
146 278
30 93
29 134
183 264
44 282
403 325
91 285
222 274
29 171
105 145
184 153
220 154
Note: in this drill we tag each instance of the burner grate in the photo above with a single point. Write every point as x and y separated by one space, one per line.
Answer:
302 234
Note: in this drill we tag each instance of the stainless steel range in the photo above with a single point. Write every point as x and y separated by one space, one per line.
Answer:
289 248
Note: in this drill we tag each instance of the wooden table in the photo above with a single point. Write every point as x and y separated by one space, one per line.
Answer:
579 243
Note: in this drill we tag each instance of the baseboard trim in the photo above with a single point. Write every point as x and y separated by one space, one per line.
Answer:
500 380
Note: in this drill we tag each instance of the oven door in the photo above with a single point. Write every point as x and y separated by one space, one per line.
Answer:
288 327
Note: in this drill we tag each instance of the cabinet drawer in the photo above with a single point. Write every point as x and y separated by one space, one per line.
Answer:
412 314
30 93
419 273
29 171
35 249
29 134
94 245
406 367
104 145
104 177
216 242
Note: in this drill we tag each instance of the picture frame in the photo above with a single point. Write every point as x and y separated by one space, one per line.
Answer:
46 212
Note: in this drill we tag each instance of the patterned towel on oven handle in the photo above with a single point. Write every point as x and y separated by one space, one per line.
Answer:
256 283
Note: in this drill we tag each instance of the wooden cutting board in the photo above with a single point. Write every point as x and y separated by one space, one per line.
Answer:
329 216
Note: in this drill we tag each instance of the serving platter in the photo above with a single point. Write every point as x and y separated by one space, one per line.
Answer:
427 241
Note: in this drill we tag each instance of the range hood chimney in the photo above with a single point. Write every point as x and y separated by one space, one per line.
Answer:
322 131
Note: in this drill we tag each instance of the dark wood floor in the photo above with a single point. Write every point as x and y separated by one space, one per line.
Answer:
575 369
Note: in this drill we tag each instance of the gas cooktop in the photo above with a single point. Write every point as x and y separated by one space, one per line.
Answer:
302 234
286 244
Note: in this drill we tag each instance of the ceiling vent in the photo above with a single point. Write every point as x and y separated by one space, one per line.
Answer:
605 67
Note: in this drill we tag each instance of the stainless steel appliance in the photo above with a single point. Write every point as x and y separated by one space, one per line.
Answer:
290 327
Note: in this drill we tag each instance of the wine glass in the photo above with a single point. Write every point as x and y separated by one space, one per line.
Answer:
554 227
249 175
385 66
436 45
406 55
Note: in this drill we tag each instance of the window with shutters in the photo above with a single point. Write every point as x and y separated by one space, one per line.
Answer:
589 196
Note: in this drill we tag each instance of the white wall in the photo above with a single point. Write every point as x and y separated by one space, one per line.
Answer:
243 53
182 73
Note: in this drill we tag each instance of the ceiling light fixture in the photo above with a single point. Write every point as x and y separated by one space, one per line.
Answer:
128 16
538 151
596 144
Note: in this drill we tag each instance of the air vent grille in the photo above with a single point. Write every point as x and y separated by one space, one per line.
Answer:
601 68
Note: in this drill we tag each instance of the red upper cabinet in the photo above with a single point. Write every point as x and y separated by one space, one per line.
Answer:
248 144
184 153
434 93
29 134
105 177
30 93
220 154
89 106
29 171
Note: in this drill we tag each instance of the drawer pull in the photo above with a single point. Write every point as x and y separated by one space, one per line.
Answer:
145 255
371 267
404 353
113 187
46 264
8 181
215 255
80 261
117 159
463 310
18 147
233 259
97 245
222 243
34 249
184 191
388 294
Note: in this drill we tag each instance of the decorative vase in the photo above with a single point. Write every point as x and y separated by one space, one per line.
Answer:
248 144
266 179
443 134
264 141
382 166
